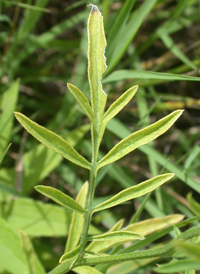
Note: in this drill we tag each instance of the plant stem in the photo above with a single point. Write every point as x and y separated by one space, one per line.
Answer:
89 203
92 181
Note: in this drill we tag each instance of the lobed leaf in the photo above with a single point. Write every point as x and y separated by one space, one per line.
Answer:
120 103
33 263
52 141
60 198
139 138
81 99
134 192
117 236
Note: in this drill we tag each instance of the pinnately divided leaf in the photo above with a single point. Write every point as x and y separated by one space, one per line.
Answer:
60 198
81 99
120 103
52 141
117 236
139 138
134 191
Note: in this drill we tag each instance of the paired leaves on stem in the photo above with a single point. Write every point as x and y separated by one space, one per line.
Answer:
98 119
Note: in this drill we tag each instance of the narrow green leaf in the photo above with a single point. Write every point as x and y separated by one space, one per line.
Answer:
121 131
177 266
77 221
117 236
70 255
169 43
102 246
96 62
4 153
147 75
191 250
120 103
11 253
134 192
139 138
33 263
60 198
81 99
118 47
7 105
86 270
195 207
52 141
39 161
31 18
152 225
120 20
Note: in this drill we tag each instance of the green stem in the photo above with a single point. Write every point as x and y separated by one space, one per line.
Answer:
89 204
92 181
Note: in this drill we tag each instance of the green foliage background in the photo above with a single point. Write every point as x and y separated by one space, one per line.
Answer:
43 46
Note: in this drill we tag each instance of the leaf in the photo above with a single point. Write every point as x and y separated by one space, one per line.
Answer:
33 263
39 219
117 236
139 138
195 207
146 75
176 266
11 253
81 99
39 161
86 270
7 106
120 20
70 255
60 198
52 141
96 63
169 43
117 48
152 225
134 191
191 250
4 153
120 103
99 246
76 225
121 131
31 18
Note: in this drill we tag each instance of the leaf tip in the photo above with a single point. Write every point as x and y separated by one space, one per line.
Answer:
94 8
